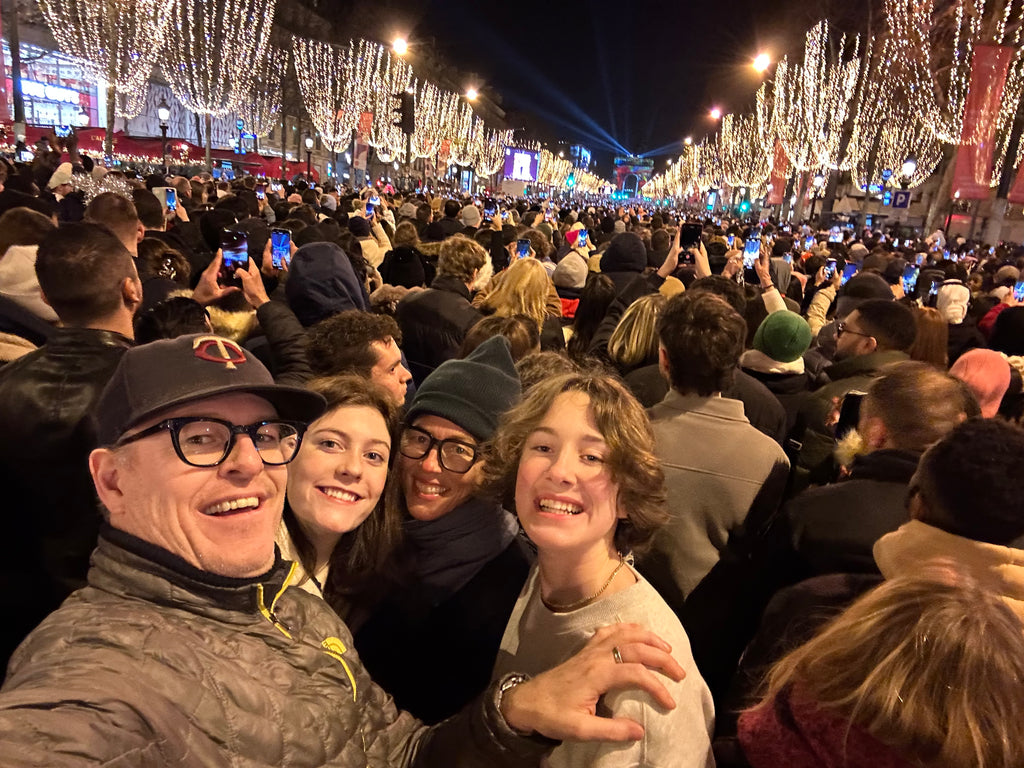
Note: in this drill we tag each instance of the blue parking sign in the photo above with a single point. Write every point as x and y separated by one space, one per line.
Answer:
901 198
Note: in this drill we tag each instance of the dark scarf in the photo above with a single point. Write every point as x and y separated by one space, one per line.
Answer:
451 550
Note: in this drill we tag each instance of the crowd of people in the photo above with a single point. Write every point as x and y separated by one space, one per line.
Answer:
305 475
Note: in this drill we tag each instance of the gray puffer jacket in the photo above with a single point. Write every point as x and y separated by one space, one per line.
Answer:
159 663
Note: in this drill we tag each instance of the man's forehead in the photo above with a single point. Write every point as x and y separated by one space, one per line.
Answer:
224 406
387 349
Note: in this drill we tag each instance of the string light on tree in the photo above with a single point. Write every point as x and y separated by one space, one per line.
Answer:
261 108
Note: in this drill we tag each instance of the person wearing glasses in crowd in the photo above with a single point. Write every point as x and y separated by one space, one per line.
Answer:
432 642
189 648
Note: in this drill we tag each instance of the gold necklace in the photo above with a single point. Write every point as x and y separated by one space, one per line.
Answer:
557 608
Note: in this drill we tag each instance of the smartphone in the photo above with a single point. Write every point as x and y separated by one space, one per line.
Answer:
730 239
934 290
909 279
374 200
261 193
504 215
235 249
689 235
809 242
171 198
835 235
280 247
788 258
490 211
848 271
920 259
830 269
751 251
523 248
581 239
62 131
849 413
1018 291
370 210
787 229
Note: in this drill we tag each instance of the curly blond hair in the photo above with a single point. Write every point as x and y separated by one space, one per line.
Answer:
623 424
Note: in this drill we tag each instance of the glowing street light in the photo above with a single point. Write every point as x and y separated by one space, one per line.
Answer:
472 93
762 62
716 113
688 140
400 46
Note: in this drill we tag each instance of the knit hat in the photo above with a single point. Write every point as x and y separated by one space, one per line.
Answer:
626 253
403 266
152 378
858 251
472 393
987 374
620 226
61 176
571 271
545 228
359 226
1008 332
952 301
783 336
408 210
470 216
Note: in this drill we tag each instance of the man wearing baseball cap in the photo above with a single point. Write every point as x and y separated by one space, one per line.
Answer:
188 648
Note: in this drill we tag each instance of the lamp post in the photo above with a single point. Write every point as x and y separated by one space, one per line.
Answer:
907 172
163 112
819 182
309 156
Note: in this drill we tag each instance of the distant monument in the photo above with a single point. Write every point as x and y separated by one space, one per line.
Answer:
631 173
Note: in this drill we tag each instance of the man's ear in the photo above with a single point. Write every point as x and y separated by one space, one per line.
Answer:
874 433
131 293
104 466
140 232
663 365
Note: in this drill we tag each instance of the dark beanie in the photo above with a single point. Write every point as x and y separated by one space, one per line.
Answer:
472 393
403 266
626 253
359 226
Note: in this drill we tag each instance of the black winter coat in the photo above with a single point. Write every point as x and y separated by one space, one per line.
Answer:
434 324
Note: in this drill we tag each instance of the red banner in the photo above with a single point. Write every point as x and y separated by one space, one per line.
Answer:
780 171
365 124
5 114
445 152
973 172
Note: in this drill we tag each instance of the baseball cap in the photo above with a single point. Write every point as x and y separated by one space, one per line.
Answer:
160 375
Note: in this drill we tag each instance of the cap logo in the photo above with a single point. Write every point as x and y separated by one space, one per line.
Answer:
218 350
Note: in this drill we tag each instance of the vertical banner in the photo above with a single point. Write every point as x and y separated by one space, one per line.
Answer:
5 113
972 177
360 156
445 152
365 124
779 176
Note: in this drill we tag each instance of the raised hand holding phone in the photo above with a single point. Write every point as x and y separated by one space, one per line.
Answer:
208 290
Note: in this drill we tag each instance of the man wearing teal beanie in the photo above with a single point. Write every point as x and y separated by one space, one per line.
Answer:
433 641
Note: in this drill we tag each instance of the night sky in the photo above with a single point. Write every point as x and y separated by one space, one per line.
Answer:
637 76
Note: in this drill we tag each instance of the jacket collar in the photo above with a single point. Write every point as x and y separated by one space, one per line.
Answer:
717 407
90 336
451 284
886 465
864 364
126 565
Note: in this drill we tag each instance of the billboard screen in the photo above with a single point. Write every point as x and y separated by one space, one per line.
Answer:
521 164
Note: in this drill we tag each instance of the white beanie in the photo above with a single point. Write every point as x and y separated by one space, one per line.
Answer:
952 301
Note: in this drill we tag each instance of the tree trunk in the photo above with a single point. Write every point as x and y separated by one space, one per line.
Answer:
940 202
209 141
108 137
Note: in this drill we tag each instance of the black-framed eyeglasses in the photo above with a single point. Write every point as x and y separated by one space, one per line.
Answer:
842 327
454 455
206 442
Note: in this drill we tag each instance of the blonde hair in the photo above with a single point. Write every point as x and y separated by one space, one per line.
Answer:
932 666
522 290
635 338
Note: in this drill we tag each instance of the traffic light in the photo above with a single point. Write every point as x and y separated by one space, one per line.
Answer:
406 112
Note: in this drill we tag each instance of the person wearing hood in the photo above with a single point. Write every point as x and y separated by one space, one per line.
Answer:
322 282
432 642
625 258
952 302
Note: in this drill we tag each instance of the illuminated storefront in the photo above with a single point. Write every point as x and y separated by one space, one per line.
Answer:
57 89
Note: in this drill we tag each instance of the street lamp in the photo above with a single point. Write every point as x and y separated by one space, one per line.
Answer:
400 46
716 113
309 155
761 62
908 170
688 140
819 182
472 93
163 112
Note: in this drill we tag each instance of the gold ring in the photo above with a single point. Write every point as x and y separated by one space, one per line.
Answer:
616 655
